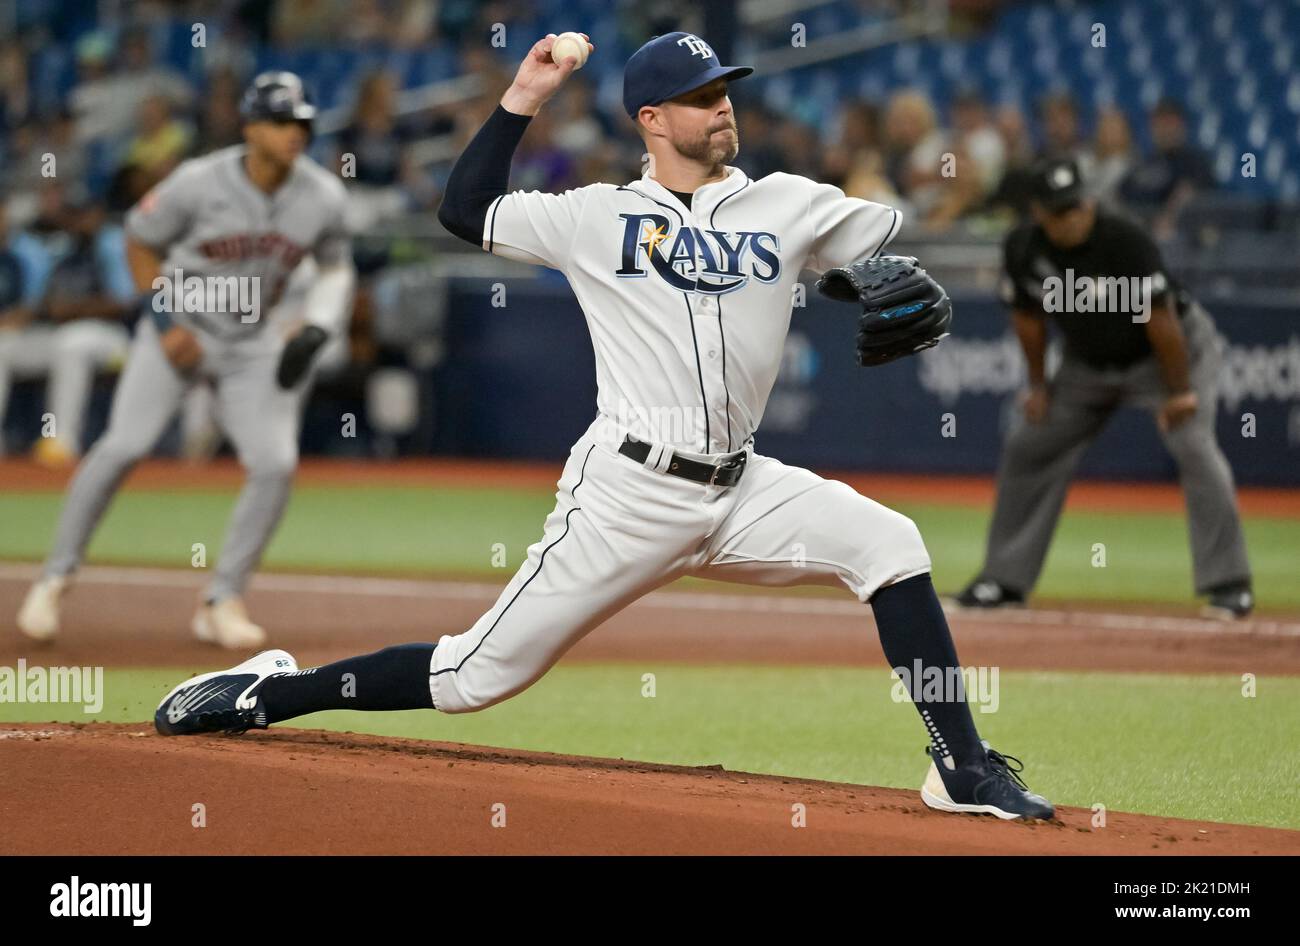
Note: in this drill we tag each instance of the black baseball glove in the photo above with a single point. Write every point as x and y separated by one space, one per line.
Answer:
297 355
903 310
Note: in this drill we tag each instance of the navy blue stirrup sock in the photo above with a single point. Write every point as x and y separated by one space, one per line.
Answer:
395 678
913 628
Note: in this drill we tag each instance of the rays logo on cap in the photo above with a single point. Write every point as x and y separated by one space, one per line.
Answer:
697 46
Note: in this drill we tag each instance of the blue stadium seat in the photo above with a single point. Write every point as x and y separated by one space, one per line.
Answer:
1233 62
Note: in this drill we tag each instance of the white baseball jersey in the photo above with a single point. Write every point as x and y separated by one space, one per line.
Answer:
688 307
688 310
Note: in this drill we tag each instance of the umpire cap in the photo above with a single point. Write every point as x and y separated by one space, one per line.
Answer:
1057 184
277 96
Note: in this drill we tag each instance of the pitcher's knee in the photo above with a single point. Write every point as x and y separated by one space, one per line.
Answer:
468 693
896 551
906 540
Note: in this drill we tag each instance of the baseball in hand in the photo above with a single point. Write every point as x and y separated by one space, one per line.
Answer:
570 46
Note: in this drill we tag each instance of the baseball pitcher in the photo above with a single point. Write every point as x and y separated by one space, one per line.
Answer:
686 277
210 249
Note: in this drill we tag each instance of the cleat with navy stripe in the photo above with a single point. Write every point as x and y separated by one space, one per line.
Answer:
989 786
225 701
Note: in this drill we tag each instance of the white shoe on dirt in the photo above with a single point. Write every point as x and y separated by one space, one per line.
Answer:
226 624
223 701
38 617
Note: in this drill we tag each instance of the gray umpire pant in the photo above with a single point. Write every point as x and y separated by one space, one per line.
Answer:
261 419
1038 461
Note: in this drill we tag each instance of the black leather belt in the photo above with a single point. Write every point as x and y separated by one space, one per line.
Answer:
726 473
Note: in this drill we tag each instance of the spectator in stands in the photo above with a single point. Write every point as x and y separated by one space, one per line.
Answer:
49 225
1014 192
56 137
978 141
24 267
411 23
476 59
219 123
1105 165
15 94
1062 136
914 147
539 163
106 101
24 270
308 22
578 129
375 136
372 151
87 297
1162 184
853 161
610 160
366 23
799 146
759 154
160 144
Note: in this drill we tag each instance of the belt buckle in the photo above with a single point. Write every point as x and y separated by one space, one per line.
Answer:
732 464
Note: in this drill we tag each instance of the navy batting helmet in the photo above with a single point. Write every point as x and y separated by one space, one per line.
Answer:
277 96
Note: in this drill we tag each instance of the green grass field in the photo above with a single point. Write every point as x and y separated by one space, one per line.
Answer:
1173 745
430 530
1181 746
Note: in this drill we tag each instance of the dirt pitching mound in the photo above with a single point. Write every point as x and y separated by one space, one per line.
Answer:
110 789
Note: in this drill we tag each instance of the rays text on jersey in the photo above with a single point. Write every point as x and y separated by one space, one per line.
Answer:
695 260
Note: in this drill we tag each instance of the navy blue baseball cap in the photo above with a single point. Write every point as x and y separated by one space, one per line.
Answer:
669 66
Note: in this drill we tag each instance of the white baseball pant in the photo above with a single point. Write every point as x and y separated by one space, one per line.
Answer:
620 530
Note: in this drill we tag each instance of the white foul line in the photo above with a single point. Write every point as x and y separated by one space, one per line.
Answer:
486 593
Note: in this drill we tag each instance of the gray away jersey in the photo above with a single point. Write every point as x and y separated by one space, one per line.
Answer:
207 219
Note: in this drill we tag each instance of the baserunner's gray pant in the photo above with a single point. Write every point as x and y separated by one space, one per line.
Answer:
260 418
1038 461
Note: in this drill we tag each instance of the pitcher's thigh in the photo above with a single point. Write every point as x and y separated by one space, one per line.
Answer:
814 531
588 566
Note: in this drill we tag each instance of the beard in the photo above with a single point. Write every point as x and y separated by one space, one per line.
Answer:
706 149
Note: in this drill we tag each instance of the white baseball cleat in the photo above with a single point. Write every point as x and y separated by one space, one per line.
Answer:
38 617
223 701
226 624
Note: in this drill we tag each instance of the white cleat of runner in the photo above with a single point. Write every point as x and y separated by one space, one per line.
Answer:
227 625
38 617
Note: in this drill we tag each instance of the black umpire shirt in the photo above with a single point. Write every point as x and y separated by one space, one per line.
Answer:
1117 247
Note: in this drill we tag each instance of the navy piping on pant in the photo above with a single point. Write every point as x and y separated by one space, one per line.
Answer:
541 561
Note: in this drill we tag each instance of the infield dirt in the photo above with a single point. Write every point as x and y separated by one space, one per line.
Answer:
120 789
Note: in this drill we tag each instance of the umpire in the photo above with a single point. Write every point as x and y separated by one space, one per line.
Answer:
1132 337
